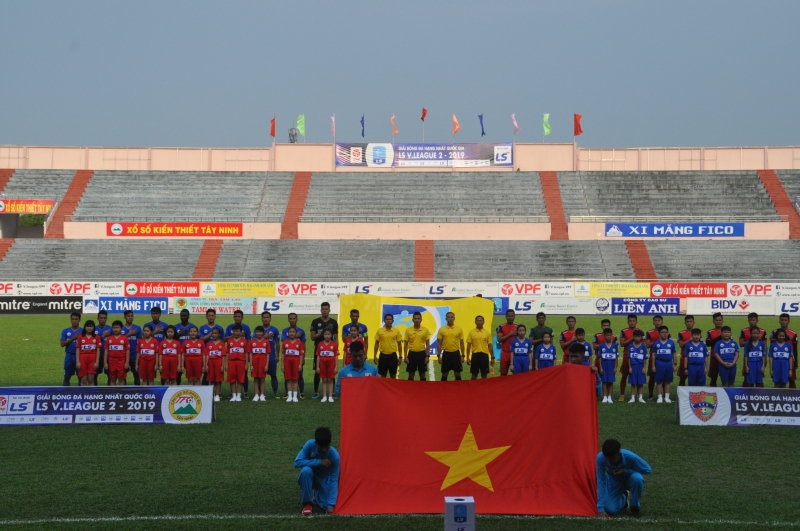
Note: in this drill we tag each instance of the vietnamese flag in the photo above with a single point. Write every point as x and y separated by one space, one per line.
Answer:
524 444
272 127
577 125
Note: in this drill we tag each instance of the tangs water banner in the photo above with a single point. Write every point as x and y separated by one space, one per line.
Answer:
424 155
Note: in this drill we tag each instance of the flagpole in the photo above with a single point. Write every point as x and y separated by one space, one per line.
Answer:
423 131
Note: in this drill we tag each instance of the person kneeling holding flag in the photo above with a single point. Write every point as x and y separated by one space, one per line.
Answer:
619 474
318 462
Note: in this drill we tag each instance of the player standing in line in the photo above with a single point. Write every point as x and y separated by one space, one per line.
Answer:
651 337
522 351
294 352
545 353
791 338
318 327
87 359
119 351
103 330
608 352
68 338
272 335
417 347
214 358
146 360
348 343
684 337
192 358
157 325
479 342
204 332
663 363
588 351
362 329
238 317
538 331
598 340
169 352
181 335
752 322
505 334
134 333
327 363
712 336
300 335
388 343
451 347
637 363
237 362
755 353
260 350
625 339
567 337
726 352
781 361
695 360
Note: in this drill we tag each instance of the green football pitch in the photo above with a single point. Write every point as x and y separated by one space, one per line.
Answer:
236 473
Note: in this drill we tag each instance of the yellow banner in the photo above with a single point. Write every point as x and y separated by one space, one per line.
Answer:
372 308
612 289
237 289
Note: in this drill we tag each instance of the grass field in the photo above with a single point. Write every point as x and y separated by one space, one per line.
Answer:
237 472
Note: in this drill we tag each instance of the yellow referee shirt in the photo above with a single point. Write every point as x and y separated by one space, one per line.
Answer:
450 338
479 340
417 339
388 340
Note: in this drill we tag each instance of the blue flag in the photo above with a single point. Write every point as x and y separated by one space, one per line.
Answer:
480 117
362 126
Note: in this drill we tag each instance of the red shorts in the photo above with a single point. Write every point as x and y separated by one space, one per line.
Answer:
347 359
194 367
116 369
291 367
236 371
147 367
87 365
624 370
505 362
215 373
259 364
169 367
326 367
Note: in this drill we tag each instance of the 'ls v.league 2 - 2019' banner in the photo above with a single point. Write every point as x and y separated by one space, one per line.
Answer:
738 406
534 455
424 155
372 308
36 406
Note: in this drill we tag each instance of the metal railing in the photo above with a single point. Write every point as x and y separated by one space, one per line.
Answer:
678 219
176 219
423 219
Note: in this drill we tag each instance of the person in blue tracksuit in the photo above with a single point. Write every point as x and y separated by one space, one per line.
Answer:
619 473
637 363
521 351
545 353
726 352
318 462
696 359
780 359
755 354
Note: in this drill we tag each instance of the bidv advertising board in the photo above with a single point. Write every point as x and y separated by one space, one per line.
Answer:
737 406
33 406
424 155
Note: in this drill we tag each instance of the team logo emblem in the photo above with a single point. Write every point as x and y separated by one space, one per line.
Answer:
736 290
658 290
55 289
744 304
131 289
703 404
283 289
116 229
181 303
507 289
602 305
185 405
2 206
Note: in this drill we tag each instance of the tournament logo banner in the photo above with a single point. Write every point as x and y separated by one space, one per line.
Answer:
424 155
175 230
738 406
674 230
36 406
670 306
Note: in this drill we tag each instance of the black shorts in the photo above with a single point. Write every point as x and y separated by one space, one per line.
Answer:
416 362
387 363
451 361
480 363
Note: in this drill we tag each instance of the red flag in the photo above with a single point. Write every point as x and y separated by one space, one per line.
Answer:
534 455
424 113
272 127
456 125
578 129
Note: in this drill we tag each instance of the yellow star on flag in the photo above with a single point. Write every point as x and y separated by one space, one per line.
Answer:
468 461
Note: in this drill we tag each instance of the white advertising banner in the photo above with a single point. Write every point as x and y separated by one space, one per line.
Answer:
555 305
298 305
222 305
460 289
389 289
536 288
57 289
741 289
731 306
311 289
787 291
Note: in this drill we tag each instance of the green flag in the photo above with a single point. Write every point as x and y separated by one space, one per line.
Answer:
546 124
301 124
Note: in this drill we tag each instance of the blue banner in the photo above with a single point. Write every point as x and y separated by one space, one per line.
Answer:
646 306
35 406
424 155
674 230
122 304
738 406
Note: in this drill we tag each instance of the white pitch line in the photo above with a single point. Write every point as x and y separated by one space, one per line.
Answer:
169 517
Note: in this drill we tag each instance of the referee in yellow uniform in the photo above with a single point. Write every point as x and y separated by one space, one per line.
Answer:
388 343
451 347
417 347
478 341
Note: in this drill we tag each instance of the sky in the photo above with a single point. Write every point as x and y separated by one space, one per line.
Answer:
212 74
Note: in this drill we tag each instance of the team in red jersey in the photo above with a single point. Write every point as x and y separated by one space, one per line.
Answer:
146 359
88 358
327 357
294 352
214 358
505 334
118 355
259 358
169 352
567 337
191 362
238 352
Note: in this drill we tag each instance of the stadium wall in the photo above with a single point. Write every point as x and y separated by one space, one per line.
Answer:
319 157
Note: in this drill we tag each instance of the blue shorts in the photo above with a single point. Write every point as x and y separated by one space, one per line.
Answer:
521 364
544 364
664 371
272 367
754 376
69 366
780 371
609 366
636 377
697 375
727 375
